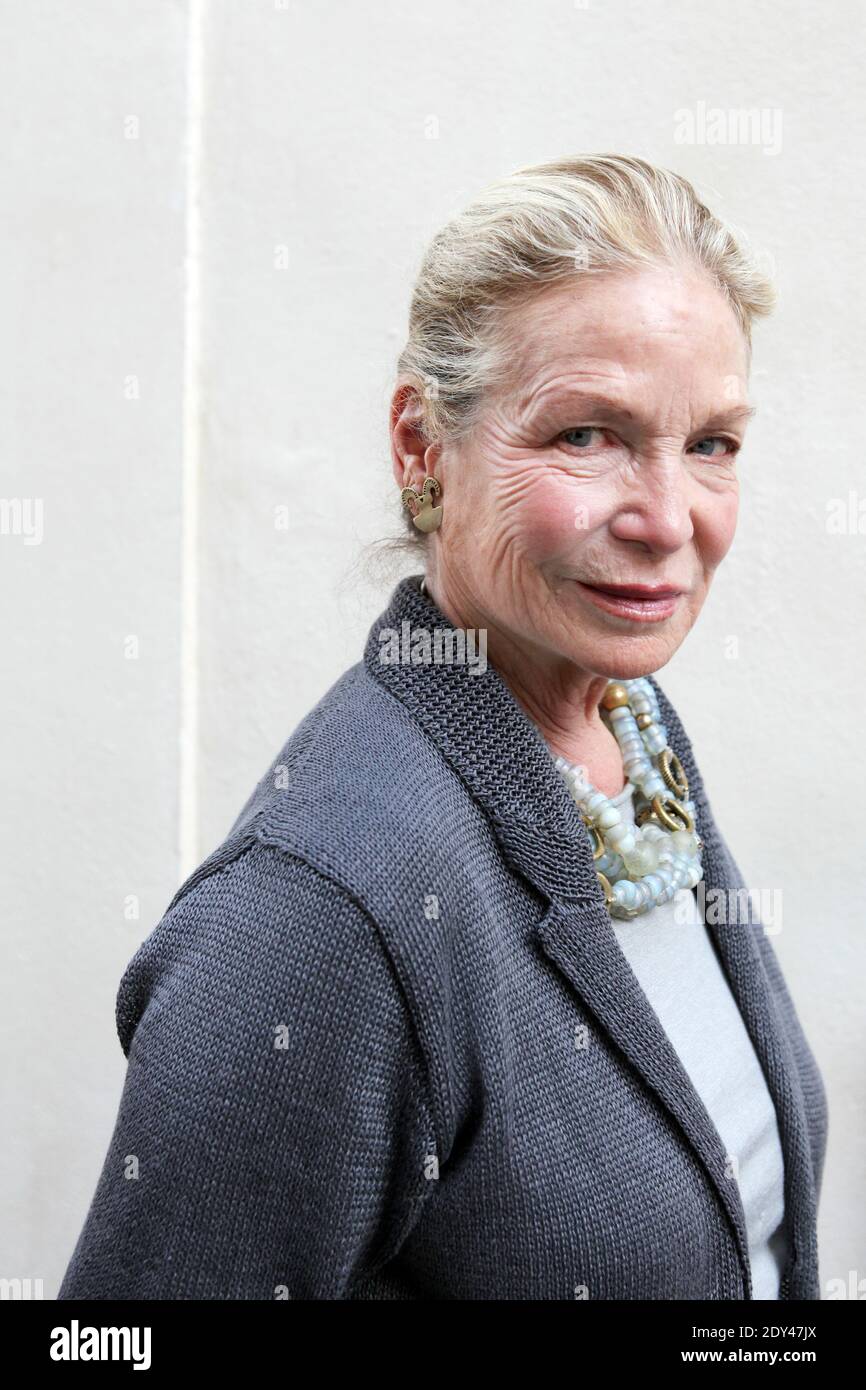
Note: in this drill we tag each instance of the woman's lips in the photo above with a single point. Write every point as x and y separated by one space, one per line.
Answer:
641 603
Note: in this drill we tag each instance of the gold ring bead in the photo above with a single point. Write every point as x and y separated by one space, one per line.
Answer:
595 837
671 814
673 773
605 883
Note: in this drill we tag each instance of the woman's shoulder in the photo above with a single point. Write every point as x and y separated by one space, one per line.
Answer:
362 793
357 820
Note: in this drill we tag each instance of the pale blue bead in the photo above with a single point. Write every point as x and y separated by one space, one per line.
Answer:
638 778
625 893
652 831
632 750
652 884
622 839
611 865
685 842
636 760
646 689
633 765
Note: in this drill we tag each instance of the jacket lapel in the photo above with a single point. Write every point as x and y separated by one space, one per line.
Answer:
490 742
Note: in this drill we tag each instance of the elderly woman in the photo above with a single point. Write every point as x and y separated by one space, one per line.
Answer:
466 1005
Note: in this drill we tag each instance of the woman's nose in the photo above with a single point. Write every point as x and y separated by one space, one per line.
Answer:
656 507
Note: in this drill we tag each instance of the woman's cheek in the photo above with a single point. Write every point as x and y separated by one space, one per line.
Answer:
557 515
718 527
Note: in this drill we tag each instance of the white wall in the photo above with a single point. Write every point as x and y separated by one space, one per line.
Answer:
91 249
273 133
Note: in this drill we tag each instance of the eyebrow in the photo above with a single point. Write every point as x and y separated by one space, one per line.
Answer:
608 405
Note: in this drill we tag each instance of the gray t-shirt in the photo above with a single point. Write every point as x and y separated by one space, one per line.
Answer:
671 953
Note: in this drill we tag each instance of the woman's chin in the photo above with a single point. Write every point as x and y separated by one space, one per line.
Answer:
627 656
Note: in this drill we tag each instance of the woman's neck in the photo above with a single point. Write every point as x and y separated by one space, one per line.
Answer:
560 699
566 712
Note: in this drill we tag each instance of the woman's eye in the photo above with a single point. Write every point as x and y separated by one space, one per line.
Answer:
730 445
581 435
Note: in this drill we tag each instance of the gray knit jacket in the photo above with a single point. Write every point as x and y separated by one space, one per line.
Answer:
383 1043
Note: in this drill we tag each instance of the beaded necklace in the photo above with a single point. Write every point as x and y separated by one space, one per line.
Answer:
643 865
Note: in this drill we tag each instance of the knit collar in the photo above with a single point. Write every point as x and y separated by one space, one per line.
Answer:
471 716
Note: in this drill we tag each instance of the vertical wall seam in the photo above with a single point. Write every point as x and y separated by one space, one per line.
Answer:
188 799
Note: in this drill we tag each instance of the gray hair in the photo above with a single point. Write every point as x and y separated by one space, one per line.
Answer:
540 225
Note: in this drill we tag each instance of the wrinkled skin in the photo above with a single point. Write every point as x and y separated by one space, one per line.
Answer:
550 488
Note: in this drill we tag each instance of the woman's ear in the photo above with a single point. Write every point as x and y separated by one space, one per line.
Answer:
409 447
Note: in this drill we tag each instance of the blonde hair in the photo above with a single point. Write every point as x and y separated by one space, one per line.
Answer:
540 225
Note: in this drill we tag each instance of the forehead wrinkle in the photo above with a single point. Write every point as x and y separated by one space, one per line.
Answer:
572 383
601 402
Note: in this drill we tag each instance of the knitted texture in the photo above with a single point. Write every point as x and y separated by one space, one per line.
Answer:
383 1044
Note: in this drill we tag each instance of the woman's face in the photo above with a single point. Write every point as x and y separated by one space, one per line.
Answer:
609 459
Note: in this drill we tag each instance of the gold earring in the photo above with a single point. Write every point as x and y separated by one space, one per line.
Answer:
427 517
